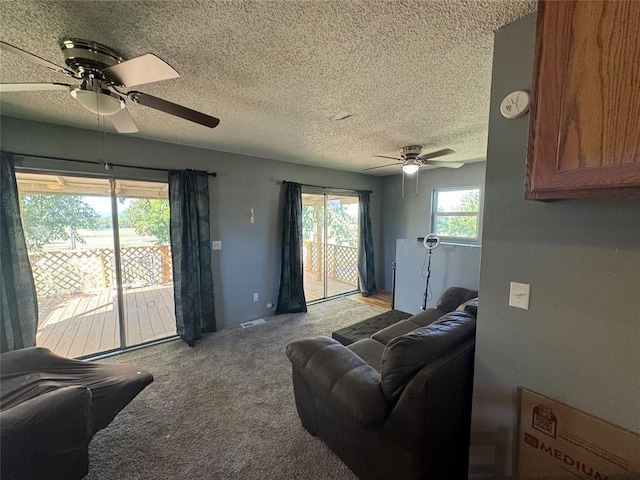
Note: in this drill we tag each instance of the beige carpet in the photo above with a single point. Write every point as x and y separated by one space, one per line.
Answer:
224 409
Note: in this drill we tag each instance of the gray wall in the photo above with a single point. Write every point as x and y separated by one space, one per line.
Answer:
451 265
579 342
250 257
410 217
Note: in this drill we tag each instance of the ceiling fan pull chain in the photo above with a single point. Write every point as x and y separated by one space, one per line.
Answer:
101 138
103 129
402 183
417 175
98 143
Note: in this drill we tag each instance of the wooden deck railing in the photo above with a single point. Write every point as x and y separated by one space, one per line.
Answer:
63 272
342 261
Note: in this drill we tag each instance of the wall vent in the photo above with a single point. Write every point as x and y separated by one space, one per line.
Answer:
252 323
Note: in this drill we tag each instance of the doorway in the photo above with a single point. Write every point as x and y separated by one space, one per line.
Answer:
330 244
101 261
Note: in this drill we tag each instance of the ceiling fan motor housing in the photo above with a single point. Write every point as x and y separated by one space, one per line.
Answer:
85 57
411 151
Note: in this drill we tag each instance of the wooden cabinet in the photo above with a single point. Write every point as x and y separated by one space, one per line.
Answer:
584 131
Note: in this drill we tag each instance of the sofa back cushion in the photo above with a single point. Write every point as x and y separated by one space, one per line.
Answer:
454 296
406 355
470 306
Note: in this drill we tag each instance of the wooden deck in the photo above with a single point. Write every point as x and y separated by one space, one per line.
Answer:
314 289
86 323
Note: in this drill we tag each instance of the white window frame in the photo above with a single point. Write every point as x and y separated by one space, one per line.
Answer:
435 214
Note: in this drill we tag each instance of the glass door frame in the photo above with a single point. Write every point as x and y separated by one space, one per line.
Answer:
326 193
117 255
23 166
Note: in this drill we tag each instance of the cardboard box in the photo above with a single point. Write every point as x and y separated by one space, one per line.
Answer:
557 442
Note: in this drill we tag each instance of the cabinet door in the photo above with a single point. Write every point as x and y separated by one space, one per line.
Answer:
584 132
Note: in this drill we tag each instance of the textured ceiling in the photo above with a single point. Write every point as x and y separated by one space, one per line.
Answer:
275 72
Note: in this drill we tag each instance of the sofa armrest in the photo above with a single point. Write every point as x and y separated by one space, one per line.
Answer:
47 436
341 377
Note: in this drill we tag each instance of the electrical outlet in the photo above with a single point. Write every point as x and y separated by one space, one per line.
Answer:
256 297
216 245
269 305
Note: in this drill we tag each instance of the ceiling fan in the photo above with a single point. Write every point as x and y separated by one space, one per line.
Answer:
102 72
412 158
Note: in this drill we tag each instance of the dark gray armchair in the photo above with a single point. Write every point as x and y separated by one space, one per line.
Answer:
51 407
400 410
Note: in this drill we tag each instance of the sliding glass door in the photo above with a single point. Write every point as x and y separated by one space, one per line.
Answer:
145 261
99 250
330 245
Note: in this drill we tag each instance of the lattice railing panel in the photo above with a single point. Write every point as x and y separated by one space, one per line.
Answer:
342 262
142 266
62 272
345 261
66 272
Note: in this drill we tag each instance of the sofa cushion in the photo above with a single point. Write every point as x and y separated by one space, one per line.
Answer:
366 328
427 317
454 296
369 350
421 319
404 356
470 306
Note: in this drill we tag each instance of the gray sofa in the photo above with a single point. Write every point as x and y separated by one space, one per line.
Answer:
396 405
448 301
52 406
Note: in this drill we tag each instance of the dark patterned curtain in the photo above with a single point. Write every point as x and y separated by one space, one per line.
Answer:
191 254
366 272
291 297
18 301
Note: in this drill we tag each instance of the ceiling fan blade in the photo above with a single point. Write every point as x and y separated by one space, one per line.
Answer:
123 122
139 70
174 109
444 164
439 153
33 87
381 166
384 156
36 59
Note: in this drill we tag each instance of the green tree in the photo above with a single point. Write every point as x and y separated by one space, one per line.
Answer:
461 226
48 217
104 222
124 221
309 219
343 228
149 217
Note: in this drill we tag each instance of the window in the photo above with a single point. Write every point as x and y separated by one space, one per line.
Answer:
456 214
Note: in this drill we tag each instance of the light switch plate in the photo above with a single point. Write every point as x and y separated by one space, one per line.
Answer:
519 295
216 245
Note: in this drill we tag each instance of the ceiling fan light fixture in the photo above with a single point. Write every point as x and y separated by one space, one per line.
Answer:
410 167
99 103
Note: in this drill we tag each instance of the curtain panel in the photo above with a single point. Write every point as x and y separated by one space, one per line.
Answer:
366 272
191 254
18 300
291 296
